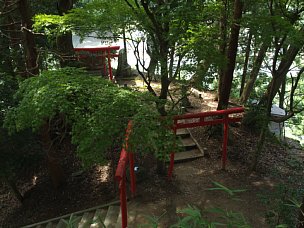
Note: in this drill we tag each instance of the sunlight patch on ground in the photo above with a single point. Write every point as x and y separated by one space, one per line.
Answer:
104 171
200 171
34 180
263 183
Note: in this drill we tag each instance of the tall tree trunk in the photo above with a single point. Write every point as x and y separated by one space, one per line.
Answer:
64 41
224 41
247 54
224 93
165 82
31 56
54 167
254 73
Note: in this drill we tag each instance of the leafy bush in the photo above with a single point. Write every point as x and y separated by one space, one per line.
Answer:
255 118
195 218
8 86
18 153
97 111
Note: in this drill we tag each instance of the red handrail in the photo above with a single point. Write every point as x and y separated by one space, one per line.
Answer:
128 157
120 176
198 119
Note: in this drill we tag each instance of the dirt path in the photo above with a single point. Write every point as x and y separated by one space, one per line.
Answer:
190 186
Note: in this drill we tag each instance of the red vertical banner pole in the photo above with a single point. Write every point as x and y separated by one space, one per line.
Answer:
225 141
104 63
132 174
171 166
123 203
109 65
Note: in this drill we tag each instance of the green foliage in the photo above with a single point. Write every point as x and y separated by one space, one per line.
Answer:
96 110
94 16
284 206
51 25
18 153
230 192
284 201
8 86
195 218
153 221
255 118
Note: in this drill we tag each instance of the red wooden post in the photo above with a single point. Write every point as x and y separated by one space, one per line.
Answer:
132 174
171 165
109 65
104 63
120 176
123 203
225 140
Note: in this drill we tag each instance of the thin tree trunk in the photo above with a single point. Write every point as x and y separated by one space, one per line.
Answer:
54 167
280 73
231 56
64 41
254 73
301 216
15 39
247 54
29 45
282 94
259 148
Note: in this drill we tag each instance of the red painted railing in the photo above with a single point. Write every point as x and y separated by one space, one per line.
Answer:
199 119
120 176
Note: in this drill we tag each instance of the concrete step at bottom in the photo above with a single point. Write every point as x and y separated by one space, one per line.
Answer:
86 220
98 219
119 222
132 217
61 224
49 225
111 217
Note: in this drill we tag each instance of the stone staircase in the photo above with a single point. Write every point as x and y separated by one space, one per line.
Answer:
190 149
104 216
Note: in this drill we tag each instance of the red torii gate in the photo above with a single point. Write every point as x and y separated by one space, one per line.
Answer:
105 53
200 119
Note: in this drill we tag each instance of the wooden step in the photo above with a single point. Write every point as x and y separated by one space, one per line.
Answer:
182 132
111 217
188 155
86 220
98 219
188 142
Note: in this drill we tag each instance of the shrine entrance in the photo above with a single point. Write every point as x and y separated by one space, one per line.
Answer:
98 58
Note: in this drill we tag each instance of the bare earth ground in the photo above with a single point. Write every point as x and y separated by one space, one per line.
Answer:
156 195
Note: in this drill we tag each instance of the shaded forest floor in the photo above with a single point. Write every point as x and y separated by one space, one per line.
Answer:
158 197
